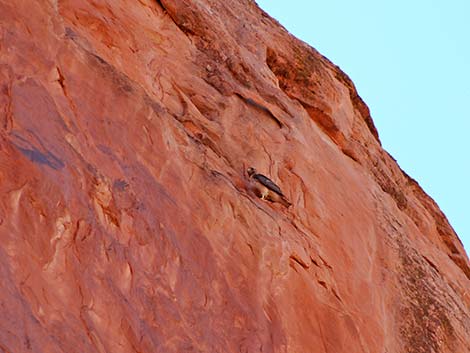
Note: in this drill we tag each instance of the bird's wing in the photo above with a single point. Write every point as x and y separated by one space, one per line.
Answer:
268 183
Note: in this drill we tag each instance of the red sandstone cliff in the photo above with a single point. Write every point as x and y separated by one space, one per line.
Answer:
125 221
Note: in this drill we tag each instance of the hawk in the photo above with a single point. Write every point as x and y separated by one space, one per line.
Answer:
266 189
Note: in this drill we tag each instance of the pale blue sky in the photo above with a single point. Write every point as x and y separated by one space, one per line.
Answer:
410 61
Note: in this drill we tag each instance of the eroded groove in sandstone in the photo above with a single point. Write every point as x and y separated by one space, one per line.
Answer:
126 219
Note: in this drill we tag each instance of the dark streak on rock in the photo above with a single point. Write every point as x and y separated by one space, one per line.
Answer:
431 264
37 157
119 79
123 82
425 324
34 154
262 108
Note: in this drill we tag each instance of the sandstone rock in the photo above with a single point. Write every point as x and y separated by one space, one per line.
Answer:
125 221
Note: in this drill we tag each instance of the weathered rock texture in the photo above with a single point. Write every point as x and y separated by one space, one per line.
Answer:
126 224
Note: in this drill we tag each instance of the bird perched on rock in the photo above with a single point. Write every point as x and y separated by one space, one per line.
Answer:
265 188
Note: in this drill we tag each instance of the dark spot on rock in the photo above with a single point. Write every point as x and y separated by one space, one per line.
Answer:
120 185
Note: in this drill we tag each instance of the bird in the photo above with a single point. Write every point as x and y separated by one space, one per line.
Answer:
266 189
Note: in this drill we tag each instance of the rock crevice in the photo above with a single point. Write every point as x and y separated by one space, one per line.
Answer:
126 218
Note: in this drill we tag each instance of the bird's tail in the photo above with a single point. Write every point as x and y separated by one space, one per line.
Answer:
285 202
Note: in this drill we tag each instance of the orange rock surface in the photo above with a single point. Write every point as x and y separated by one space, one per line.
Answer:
126 223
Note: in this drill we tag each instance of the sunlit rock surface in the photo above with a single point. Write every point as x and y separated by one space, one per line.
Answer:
126 223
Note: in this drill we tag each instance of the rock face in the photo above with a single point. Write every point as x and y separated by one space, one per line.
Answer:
126 223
